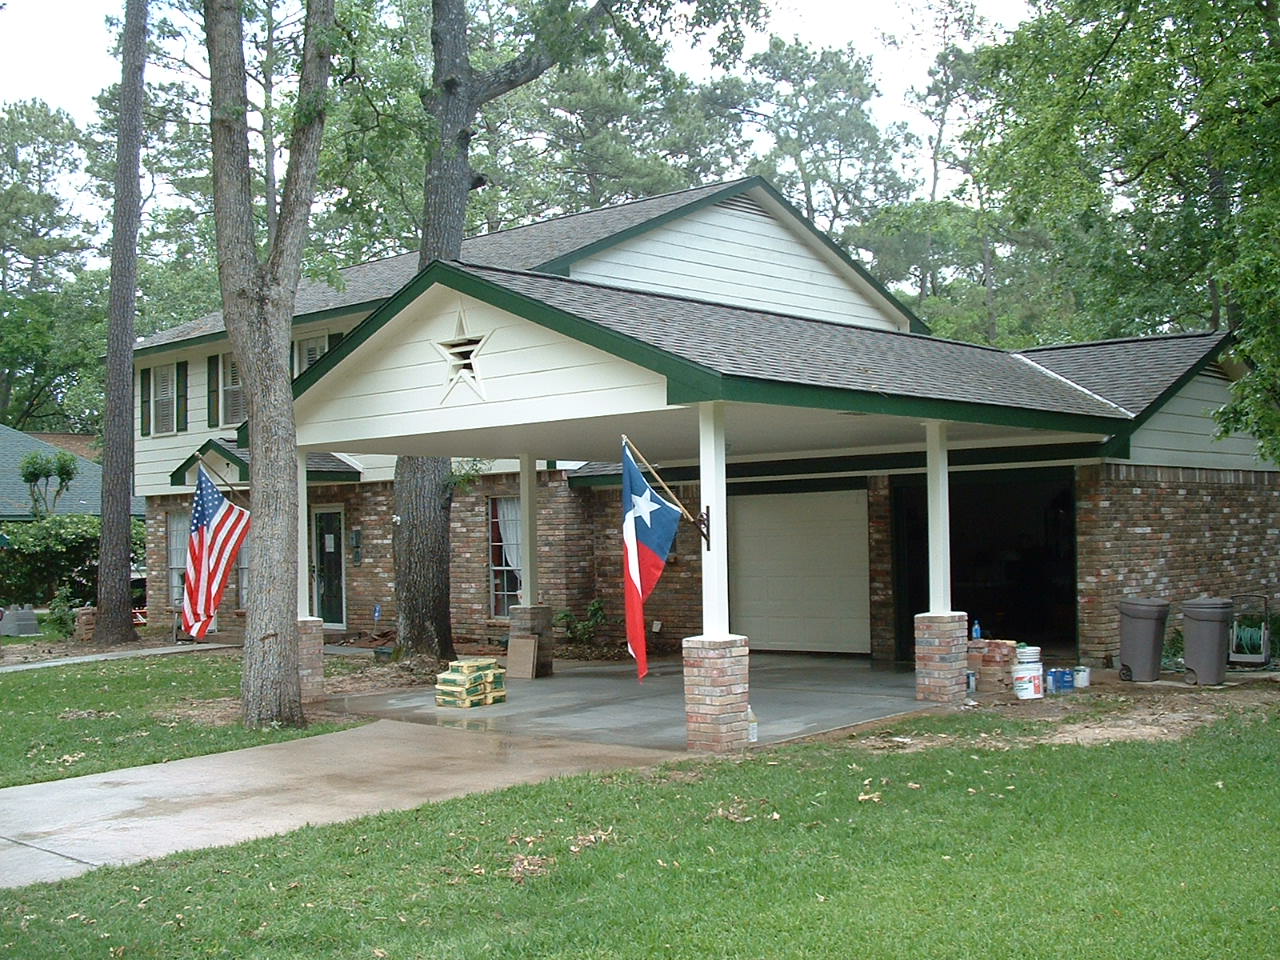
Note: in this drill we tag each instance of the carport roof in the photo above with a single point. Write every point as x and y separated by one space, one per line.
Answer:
712 351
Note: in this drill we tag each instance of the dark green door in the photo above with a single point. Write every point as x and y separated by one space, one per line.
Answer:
330 603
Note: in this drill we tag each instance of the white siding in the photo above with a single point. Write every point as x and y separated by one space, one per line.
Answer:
1181 433
799 573
156 457
737 253
397 384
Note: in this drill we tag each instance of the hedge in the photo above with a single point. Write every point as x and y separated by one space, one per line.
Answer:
52 552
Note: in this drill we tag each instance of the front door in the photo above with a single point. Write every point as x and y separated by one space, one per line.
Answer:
329 594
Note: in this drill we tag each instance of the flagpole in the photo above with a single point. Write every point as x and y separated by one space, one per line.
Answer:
701 522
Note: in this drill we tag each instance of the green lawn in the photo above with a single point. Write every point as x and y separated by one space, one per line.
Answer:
60 722
1139 850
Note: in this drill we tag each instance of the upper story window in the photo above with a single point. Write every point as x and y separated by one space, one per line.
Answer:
162 398
308 350
235 408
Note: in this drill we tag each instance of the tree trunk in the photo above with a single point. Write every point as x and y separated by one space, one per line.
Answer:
420 543
114 622
258 302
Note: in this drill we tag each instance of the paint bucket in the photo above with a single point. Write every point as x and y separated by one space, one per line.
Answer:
971 681
1066 680
1081 677
1028 681
1050 681
1028 654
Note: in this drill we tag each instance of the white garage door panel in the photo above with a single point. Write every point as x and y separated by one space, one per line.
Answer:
798 571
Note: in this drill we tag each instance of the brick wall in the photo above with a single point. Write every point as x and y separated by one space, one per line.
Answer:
367 508
880 553
1170 532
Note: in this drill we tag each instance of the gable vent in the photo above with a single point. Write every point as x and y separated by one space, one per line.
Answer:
745 205
461 353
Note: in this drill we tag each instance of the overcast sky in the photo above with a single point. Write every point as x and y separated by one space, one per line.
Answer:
59 50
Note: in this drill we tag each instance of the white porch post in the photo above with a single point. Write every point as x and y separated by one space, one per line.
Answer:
715 664
304 565
935 434
310 629
530 645
942 634
528 530
715 557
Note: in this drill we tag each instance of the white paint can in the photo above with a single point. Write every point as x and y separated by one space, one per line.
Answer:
1028 681
1081 675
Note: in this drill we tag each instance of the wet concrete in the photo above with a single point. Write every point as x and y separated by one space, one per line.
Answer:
53 830
793 695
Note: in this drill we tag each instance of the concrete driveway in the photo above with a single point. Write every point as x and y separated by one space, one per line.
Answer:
53 830
793 695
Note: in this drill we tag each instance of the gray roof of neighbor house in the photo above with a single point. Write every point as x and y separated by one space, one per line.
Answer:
1134 372
84 495
795 350
518 248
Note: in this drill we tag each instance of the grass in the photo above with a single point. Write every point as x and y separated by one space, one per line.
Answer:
60 722
1134 850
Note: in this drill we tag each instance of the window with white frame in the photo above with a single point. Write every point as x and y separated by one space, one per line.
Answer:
164 398
242 572
235 406
309 350
504 554
178 525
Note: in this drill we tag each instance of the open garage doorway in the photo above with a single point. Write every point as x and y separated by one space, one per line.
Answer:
1013 555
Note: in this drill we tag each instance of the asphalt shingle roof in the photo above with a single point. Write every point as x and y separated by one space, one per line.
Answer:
316 461
778 347
84 495
516 248
1134 372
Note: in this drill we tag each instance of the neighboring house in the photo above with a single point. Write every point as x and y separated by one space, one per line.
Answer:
81 444
722 332
84 495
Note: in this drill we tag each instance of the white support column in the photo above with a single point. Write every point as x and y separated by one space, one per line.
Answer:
528 530
304 562
715 559
939 517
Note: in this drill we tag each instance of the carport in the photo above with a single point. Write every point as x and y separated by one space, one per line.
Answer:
477 362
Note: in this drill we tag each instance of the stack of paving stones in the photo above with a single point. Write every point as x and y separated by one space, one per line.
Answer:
992 661
473 682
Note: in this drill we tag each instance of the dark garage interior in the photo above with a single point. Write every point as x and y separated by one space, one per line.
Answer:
1013 558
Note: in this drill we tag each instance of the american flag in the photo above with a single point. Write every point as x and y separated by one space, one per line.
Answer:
218 529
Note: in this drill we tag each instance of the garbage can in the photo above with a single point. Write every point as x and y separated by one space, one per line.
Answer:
1206 636
1142 621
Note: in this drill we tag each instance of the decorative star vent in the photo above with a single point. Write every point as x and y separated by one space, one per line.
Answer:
460 353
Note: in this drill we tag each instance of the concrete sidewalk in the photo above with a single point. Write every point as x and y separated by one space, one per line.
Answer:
117 655
49 831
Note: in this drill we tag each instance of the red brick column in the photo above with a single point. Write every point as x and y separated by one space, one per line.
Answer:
311 658
531 648
715 693
941 656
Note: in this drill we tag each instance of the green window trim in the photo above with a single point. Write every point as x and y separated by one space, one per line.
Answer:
144 399
214 380
180 398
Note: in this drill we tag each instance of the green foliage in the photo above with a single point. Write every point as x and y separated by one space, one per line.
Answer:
53 552
584 630
62 611
38 470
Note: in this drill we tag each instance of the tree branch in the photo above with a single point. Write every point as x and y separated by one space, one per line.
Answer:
534 60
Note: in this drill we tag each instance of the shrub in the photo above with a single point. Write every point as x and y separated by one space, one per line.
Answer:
584 630
53 552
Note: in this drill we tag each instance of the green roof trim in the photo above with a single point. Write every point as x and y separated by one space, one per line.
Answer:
299 319
179 476
560 265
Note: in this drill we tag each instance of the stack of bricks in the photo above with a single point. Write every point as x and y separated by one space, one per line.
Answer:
992 661
715 693
311 658
86 620
941 656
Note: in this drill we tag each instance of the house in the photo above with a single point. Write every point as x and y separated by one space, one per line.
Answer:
870 487
84 495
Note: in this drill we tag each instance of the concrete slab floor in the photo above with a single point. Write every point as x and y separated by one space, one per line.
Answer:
53 830
793 695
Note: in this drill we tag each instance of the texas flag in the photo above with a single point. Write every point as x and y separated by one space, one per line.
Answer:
648 529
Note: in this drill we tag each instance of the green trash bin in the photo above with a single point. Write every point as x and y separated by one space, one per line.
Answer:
1206 637
1142 622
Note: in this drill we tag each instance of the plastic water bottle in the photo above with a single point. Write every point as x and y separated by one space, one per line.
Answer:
753 728
977 630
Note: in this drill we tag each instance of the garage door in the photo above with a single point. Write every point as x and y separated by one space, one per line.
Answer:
798 572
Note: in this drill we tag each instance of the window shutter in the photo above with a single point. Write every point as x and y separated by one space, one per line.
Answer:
211 386
234 405
144 392
180 410
162 385
334 339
